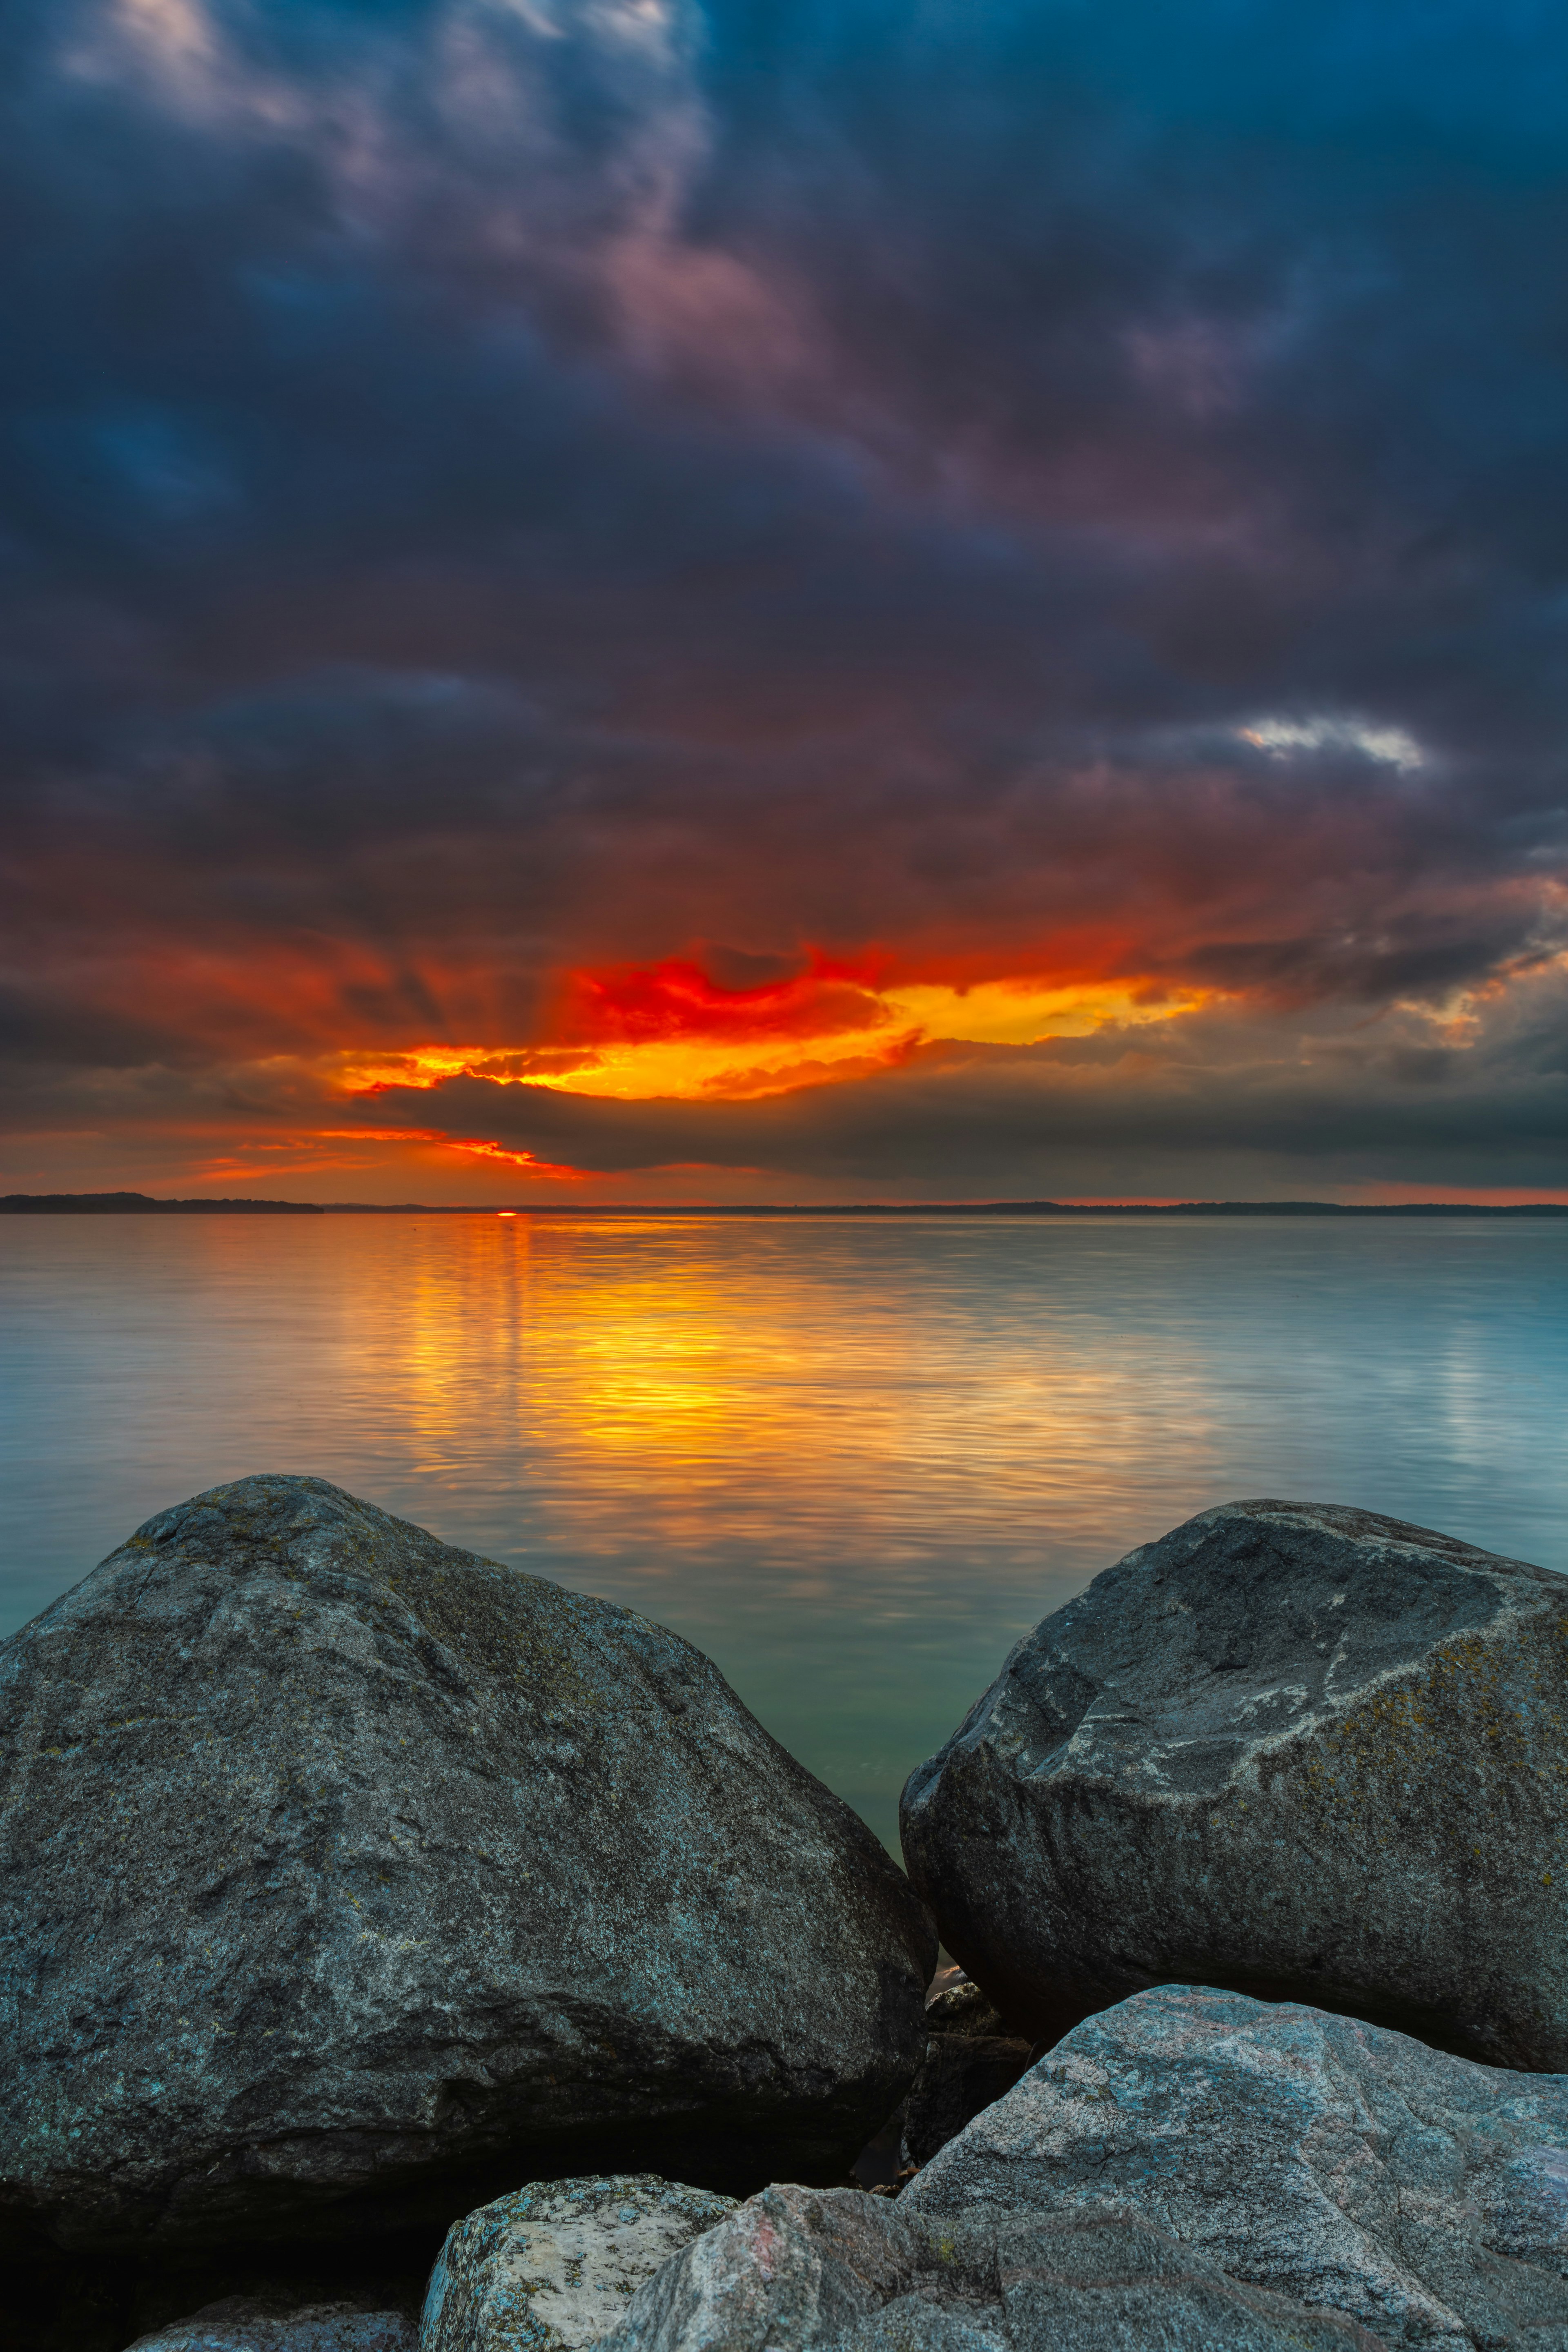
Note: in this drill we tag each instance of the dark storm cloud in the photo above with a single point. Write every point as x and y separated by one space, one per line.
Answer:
503 484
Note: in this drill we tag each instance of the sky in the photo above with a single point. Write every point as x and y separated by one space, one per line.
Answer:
611 600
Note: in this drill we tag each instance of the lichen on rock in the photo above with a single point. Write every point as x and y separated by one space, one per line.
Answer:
551 2267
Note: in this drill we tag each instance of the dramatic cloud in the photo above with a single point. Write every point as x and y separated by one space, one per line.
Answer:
601 598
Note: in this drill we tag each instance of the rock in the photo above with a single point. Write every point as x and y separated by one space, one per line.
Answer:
250 2323
960 2008
969 2060
793 2270
103 2299
959 2074
348 1878
553 2264
1290 1748
879 2167
1339 2164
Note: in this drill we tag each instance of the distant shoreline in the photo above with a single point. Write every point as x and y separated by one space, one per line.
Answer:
142 1204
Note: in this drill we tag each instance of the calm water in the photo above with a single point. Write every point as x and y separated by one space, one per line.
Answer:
852 1460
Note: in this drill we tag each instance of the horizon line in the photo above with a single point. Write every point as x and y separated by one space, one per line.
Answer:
131 1203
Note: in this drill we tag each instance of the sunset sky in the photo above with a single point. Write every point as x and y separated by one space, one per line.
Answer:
804 600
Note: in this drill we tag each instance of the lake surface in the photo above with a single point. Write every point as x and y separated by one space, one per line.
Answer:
853 1460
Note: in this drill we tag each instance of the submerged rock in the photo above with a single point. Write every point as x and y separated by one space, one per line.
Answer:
1291 1749
553 2264
250 2323
1345 2166
792 2271
349 1877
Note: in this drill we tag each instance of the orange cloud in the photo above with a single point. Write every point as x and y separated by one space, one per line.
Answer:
670 1031
676 999
475 1147
308 1152
524 1162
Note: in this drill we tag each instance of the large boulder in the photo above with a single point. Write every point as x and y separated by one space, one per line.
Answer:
1338 2163
1290 1748
551 2267
791 2272
346 1878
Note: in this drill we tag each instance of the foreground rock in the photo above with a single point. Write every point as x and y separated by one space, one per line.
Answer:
554 2263
1345 2166
971 2060
792 2271
1290 1748
349 1878
262 2323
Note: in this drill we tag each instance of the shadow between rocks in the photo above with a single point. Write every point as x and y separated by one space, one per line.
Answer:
102 2301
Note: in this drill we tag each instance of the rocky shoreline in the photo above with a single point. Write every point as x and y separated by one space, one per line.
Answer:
401 1951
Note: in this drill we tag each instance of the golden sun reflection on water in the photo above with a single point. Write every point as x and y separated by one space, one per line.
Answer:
852 1459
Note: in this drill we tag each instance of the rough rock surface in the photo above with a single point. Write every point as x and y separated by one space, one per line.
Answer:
958 2076
249 2324
551 2267
971 2059
347 1878
1336 2163
959 2010
1290 1748
791 2272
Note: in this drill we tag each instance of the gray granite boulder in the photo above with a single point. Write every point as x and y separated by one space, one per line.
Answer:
551 2267
263 2323
1290 1748
839 2272
348 1878
1342 2165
